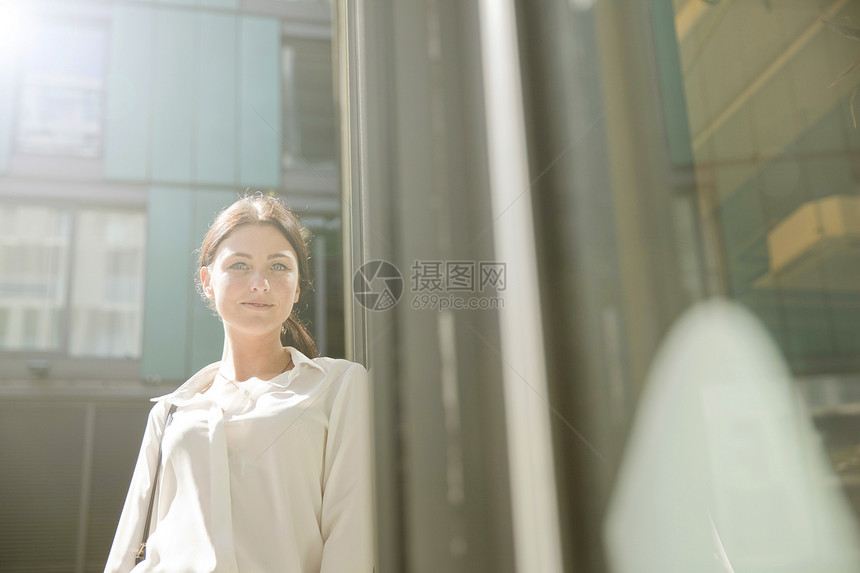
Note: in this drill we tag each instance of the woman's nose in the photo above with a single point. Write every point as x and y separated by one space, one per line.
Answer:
259 282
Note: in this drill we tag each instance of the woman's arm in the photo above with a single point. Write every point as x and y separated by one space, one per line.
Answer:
129 531
347 519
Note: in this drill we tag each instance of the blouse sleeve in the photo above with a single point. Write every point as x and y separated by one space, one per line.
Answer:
347 520
130 528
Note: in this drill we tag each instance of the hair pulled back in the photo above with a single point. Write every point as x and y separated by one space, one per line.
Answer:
258 209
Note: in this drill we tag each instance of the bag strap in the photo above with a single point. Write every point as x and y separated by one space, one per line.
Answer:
141 551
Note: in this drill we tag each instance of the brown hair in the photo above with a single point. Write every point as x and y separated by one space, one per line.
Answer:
258 209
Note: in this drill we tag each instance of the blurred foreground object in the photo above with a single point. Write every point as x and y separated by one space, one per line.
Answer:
723 470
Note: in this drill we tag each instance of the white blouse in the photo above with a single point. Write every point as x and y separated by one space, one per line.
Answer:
268 476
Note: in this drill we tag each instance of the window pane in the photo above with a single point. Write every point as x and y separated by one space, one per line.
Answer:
772 141
107 298
61 92
34 245
774 144
309 113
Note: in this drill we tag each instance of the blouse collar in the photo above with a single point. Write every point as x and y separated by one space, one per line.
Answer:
206 375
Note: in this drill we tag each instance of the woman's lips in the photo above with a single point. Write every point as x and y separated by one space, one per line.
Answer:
257 305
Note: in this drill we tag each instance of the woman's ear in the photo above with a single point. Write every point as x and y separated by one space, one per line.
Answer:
206 281
298 293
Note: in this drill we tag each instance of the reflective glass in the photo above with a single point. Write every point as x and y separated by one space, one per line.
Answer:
772 114
308 118
62 91
681 151
34 247
107 294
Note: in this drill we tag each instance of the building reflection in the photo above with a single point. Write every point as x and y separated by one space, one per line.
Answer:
774 145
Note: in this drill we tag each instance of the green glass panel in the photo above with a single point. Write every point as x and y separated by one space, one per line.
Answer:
168 284
260 103
174 97
129 79
215 159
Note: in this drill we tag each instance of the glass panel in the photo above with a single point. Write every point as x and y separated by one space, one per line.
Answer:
173 96
259 96
61 91
34 245
128 105
773 137
215 124
107 298
308 119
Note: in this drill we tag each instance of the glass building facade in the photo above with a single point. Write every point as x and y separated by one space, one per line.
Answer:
124 128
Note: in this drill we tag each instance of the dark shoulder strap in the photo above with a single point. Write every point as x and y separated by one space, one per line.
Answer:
141 551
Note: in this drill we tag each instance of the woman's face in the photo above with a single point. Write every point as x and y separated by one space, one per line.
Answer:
253 280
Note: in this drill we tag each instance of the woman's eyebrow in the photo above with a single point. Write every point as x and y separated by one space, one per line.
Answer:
284 254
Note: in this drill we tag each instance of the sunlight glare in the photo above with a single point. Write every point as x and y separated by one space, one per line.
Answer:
16 28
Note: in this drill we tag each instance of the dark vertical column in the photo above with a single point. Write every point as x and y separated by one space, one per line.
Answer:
414 147
605 195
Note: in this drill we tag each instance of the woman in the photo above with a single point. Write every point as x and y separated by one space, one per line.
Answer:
265 460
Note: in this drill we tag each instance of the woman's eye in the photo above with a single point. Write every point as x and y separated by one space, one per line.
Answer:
239 266
280 267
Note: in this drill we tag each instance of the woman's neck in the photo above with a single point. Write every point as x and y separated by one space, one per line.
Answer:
247 357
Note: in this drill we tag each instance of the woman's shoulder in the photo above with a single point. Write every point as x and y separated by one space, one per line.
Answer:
332 367
346 385
199 380
344 371
338 364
